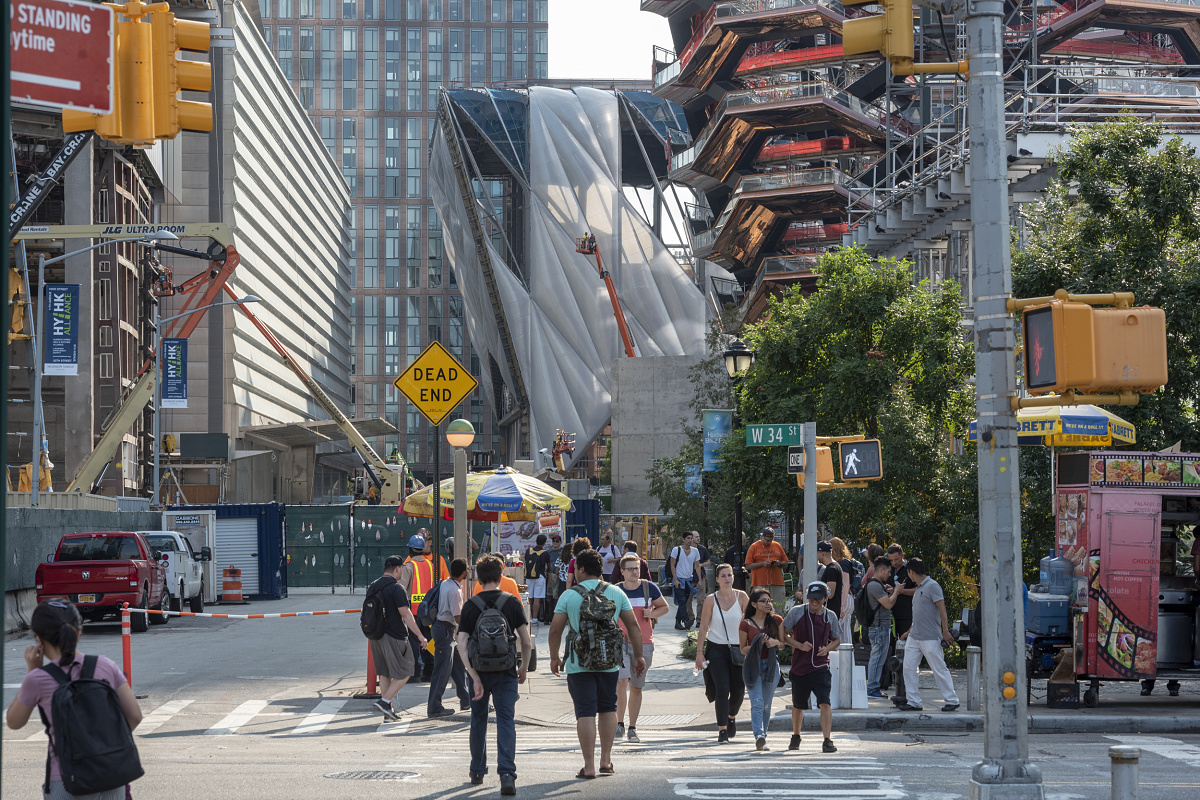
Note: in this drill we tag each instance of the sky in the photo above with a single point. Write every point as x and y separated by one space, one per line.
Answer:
605 39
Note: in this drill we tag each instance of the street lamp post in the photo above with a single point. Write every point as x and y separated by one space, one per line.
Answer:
460 433
158 376
39 339
738 359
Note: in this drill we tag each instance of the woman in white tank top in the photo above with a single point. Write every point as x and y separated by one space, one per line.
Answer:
716 642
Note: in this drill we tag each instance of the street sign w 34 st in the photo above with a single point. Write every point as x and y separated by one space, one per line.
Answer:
771 435
436 382
62 55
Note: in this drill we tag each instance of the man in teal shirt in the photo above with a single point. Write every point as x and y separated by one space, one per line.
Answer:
594 693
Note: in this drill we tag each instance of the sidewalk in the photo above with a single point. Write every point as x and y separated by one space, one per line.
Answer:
674 698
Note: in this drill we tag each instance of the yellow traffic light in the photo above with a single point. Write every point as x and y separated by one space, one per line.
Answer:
172 74
1069 345
148 77
891 35
824 468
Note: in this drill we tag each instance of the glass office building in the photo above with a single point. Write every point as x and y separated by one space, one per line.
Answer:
368 72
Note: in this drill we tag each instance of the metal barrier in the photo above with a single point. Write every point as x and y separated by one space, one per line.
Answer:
1124 771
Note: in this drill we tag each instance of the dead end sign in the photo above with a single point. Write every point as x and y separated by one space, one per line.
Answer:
436 382
62 54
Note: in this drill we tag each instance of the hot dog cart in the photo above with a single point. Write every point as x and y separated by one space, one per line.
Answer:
1128 522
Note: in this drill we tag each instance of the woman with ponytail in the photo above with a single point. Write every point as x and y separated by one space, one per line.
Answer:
56 629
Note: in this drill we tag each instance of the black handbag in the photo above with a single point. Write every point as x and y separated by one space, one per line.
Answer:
735 651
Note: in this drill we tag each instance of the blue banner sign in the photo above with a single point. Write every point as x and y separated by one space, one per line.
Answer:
174 373
62 329
717 424
693 481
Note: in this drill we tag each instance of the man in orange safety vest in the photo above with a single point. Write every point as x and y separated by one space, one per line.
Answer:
416 577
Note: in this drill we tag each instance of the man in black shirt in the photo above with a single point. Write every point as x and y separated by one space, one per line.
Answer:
833 576
905 588
394 659
500 687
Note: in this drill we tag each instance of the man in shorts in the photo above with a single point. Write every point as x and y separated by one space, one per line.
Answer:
648 605
593 692
393 656
813 632
535 578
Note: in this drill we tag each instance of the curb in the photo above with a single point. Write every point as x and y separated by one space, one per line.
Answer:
858 721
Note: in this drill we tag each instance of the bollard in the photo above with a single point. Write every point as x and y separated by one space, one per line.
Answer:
846 675
974 689
1124 771
126 654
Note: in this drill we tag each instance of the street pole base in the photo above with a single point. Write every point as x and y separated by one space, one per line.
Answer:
1006 791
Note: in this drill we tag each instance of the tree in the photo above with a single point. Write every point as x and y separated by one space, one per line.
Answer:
872 353
1124 215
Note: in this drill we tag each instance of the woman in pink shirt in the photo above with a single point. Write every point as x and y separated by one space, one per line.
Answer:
56 629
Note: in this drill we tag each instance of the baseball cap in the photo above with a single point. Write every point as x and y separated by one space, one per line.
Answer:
817 590
416 543
767 532
824 547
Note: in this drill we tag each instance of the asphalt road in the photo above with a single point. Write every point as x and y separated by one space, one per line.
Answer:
262 709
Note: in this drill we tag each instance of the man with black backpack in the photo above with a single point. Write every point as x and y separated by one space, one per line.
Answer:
387 621
595 651
489 628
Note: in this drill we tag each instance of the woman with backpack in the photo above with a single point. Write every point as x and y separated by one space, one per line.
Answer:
56 628
718 653
760 638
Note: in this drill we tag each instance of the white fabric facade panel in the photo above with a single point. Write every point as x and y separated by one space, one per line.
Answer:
562 324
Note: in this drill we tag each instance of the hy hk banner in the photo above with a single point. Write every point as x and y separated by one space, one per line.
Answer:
174 373
62 329
717 424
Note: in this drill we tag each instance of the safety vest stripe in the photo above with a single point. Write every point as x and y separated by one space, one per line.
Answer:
422 580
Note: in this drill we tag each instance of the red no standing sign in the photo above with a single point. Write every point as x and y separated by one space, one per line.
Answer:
62 54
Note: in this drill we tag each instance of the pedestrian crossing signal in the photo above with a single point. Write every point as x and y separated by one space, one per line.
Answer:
861 460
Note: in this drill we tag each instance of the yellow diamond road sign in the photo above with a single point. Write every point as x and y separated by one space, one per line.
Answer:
435 383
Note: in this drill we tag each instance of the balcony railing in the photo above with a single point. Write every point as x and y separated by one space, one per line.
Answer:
783 93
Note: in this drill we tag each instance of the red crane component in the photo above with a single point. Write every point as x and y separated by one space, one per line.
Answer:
587 246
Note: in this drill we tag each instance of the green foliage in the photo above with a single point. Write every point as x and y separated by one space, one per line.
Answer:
869 353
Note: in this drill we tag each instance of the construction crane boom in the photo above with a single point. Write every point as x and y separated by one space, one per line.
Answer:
389 478
587 246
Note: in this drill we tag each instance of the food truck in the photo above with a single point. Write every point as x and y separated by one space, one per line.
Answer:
1128 523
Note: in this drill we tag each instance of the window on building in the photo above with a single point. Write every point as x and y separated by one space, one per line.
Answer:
306 8
456 10
412 247
433 317
104 298
106 336
412 327
520 49
349 9
285 52
456 325
412 11
267 35
457 54
435 10
106 365
329 135
327 9
478 56
391 250
520 10
414 146
391 69
392 9
540 69
308 67
370 9
433 247
541 11
478 10
349 69
499 54
371 69
264 7
498 10
391 157
285 9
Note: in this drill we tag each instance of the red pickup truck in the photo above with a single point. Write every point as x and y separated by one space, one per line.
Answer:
98 572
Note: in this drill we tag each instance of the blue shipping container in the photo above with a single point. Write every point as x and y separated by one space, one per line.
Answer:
584 520
272 563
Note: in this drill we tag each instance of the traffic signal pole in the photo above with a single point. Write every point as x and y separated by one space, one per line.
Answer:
1005 771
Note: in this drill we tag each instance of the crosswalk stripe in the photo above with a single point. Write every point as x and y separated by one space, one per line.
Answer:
154 720
1163 746
792 788
317 719
240 716
394 728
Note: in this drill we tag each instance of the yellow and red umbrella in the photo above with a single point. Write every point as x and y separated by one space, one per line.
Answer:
500 495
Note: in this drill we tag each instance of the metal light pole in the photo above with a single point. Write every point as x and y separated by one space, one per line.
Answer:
460 433
158 377
808 542
1005 771
738 359
39 343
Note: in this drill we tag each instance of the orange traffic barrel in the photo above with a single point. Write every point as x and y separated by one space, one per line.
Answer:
231 585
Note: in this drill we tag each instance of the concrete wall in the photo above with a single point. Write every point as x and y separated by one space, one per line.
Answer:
34 533
650 399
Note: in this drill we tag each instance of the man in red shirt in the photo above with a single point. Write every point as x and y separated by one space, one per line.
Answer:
765 560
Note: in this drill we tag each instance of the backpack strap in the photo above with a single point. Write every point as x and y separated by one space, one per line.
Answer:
89 668
54 671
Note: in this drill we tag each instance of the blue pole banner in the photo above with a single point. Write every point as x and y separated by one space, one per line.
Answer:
693 482
174 373
62 329
717 424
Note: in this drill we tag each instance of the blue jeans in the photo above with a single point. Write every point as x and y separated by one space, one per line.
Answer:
446 666
502 688
682 594
761 695
880 637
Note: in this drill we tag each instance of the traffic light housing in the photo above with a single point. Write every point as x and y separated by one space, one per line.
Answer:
1070 345
824 468
861 460
170 35
148 76
889 33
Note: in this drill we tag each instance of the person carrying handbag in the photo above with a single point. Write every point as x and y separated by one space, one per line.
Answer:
759 635
718 653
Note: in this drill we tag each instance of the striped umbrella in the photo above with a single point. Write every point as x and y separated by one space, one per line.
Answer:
499 495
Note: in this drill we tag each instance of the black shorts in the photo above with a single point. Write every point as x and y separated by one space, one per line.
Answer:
594 692
818 683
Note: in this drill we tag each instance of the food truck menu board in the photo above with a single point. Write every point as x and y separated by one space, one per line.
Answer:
1156 470
1070 524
